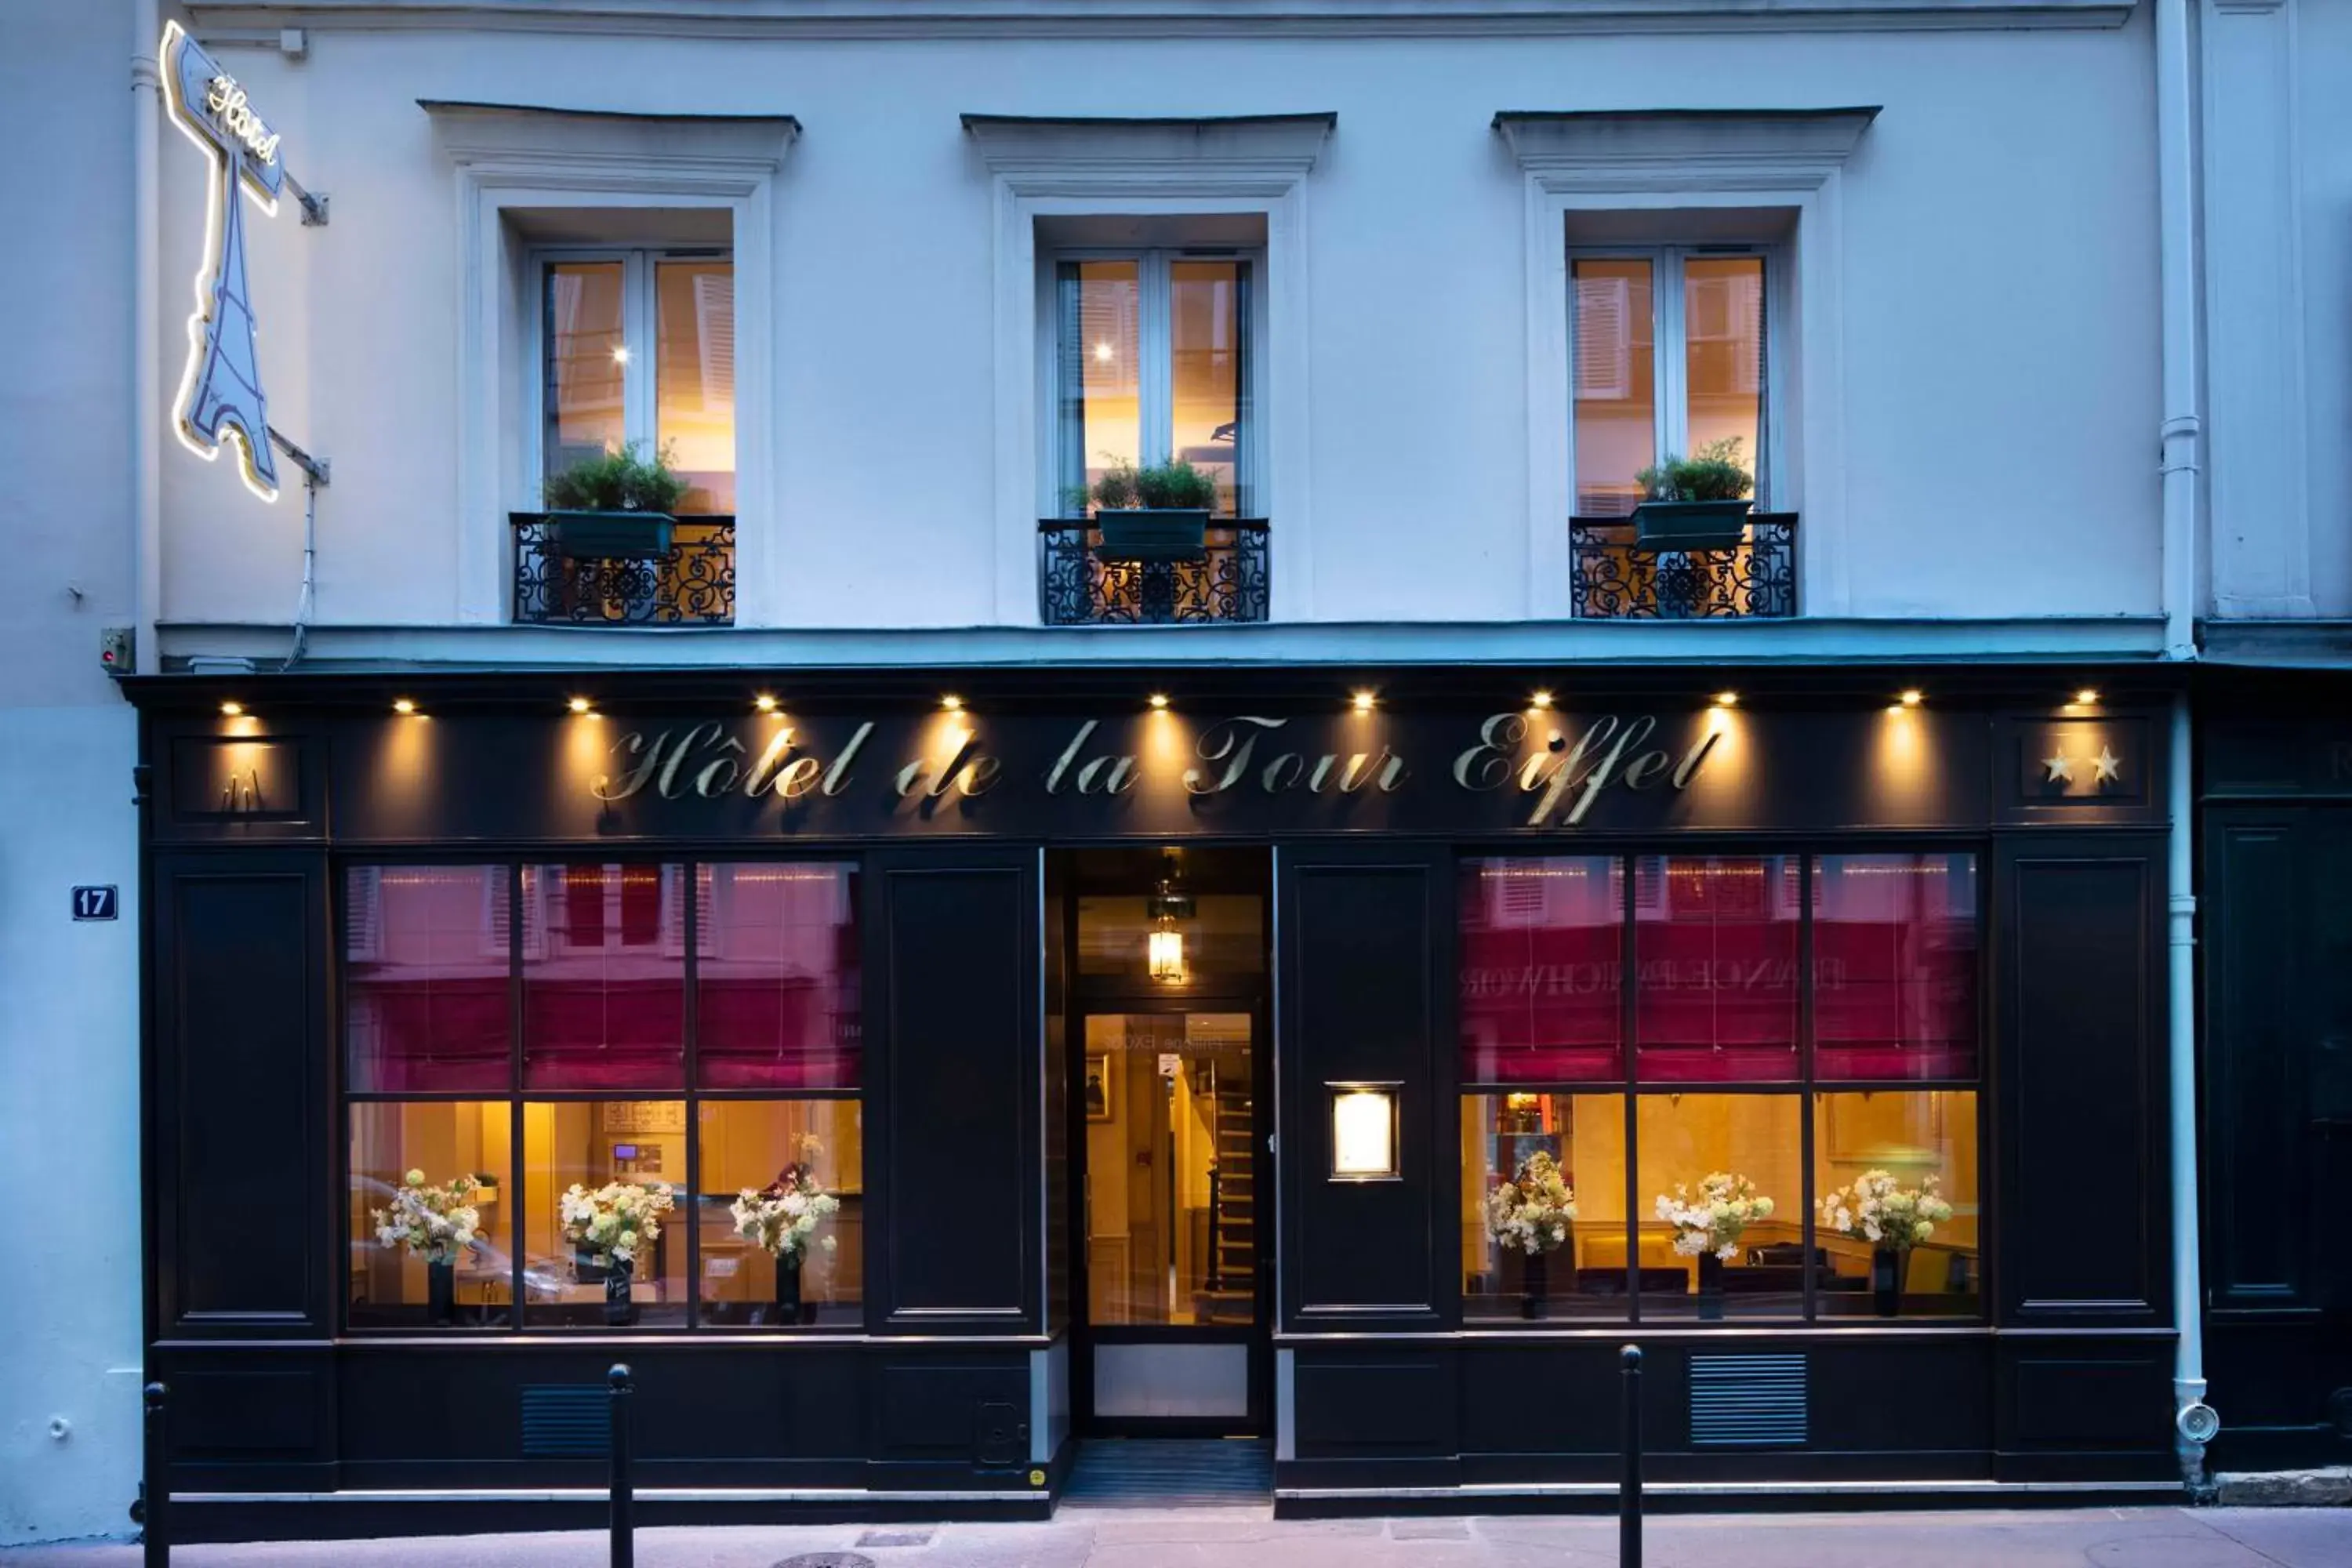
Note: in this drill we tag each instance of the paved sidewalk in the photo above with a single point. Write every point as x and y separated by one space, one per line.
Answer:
1197 1538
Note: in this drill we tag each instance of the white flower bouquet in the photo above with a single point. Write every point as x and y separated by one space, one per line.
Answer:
1531 1211
781 1217
1875 1210
615 1220
435 1224
1712 1222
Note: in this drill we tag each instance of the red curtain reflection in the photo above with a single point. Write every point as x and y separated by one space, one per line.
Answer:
604 977
425 1003
777 977
1894 966
1541 960
1715 949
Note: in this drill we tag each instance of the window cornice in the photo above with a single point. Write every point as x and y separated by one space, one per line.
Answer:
1147 18
1282 147
1667 150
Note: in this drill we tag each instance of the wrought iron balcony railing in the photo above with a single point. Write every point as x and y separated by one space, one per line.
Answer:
1079 586
575 570
1617 577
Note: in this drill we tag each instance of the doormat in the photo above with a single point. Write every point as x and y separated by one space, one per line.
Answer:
1207 1472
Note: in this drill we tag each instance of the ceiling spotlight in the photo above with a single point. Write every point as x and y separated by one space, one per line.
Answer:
1364 702
620 354
231 710
1727 699
1912 697
764 703
2088 696
402 705
951 703
1159 699
578 705
1539 700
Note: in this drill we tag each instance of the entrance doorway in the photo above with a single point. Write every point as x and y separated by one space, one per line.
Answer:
1171 1177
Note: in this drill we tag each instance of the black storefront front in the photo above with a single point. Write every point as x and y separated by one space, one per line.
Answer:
1161 1064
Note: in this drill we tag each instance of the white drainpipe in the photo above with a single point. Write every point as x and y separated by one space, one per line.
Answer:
2182 437
146 311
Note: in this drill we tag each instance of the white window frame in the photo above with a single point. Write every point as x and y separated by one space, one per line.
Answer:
1670 393
1156 354
1792 163
1150 168
507 156
640 323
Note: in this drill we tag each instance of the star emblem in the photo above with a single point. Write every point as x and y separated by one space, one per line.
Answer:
2061 769
2110 766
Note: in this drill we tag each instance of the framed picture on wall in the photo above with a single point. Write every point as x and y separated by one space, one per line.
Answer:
1099 1086
1887 1129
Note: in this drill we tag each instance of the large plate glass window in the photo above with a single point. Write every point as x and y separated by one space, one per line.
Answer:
1153 358
639 345
1668 354
1794 1134
670 1137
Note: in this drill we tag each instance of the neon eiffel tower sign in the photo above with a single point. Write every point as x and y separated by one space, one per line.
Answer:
221 396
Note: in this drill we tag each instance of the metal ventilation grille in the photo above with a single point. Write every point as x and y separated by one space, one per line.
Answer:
565 1421
1747 1401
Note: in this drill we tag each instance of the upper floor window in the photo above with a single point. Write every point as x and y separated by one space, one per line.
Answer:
1152 357
1669 353
638 345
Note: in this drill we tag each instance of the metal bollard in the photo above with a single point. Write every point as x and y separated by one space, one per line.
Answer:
1629 1489
155 1487
624 1546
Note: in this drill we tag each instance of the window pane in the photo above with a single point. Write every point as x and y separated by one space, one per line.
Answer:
1208 304
1102 345
1752 1145
694 391
585 356
1895 1145
1171 1199
635 1148
776 977
1894 966
447 1145
604 977
1541 957
1714 945
810 1147
1585 1136
1615 415
426 978
1723 352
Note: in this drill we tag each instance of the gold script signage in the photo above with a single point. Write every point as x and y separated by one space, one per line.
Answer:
1556 768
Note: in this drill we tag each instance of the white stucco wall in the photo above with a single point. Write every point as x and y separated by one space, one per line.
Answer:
69 1318
1999 317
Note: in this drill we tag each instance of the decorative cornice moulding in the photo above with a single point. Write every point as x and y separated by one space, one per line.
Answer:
1283 144
1676 148
260 23
532 135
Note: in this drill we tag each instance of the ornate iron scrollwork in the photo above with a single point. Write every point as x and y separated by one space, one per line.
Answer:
1077 587
1616 577
690 584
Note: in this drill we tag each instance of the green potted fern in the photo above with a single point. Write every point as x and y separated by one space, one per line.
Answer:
1698 503
1156 512
616 505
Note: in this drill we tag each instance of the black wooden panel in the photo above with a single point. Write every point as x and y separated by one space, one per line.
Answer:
246 1415
2109 1403
1367 942
2079 1064
1376 1405
242 1082
939 1409
960 1142
2257 1106
1575 1383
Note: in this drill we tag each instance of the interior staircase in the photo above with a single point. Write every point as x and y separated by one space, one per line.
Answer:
1228 1295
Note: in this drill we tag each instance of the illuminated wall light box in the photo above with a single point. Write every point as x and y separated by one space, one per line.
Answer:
1364 1132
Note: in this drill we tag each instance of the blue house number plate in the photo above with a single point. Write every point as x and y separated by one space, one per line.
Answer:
94 903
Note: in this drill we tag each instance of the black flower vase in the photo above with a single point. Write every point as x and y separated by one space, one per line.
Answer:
1886 1280
441 1293
1710 1288
788 1289
618 1308
1535 1285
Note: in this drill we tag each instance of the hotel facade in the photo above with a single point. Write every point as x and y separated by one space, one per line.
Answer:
942 957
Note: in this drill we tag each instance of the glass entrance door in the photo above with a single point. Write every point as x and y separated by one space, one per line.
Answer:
1172 1207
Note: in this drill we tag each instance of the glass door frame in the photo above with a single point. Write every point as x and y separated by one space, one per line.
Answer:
1113 997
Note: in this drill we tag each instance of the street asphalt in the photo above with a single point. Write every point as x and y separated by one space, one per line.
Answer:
1248 1537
